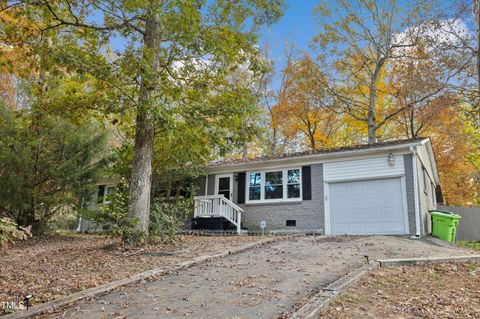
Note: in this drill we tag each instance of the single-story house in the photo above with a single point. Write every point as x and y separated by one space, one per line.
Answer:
99 197
384 188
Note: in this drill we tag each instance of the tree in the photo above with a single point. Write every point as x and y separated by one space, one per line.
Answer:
454 141
176 54
419 88
360 43
271 138
453 144
304 104
459 35
356 89
476 18
43 169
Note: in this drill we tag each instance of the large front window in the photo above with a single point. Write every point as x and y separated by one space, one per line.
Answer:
255 186
293 183
275 185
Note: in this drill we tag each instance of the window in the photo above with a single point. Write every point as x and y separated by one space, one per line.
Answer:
291 223
254 186
278 185
274 185
293 183
102 192
433 195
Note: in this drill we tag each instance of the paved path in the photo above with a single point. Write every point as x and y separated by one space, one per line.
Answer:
266 282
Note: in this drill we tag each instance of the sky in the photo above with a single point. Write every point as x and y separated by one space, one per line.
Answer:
297 26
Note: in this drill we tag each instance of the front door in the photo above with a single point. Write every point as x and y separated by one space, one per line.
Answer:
224 185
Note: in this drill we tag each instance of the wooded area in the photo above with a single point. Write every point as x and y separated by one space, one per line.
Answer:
153 90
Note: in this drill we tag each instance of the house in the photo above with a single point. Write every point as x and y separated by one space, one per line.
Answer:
99 197
384 188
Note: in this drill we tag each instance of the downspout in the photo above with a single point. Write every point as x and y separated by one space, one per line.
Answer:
413 150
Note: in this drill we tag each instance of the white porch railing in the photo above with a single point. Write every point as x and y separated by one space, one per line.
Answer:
218 206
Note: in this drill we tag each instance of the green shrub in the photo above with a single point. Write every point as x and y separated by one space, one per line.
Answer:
10 232
165 219
64 221
115 214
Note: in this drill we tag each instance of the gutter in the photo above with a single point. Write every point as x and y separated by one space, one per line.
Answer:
413 150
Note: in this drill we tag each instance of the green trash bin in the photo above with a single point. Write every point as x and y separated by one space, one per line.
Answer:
444 225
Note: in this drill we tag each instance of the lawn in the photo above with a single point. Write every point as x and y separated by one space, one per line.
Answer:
431 291
55 266
469 244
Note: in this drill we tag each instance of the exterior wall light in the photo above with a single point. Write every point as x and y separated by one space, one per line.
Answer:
391 159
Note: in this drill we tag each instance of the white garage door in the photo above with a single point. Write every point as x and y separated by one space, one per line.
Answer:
367 207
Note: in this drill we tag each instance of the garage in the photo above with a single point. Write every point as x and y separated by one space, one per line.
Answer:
367 207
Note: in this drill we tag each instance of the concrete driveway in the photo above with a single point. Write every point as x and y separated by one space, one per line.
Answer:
266 282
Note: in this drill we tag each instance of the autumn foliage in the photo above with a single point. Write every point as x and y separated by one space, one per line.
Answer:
411 101
304 106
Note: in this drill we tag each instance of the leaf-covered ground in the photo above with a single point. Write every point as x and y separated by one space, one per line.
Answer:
54 266
432 291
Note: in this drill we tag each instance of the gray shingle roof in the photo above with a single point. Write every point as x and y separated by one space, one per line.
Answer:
318 151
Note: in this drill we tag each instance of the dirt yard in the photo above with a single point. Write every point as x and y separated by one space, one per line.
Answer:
54 266
432 291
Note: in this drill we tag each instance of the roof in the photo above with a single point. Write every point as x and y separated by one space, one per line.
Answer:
261 159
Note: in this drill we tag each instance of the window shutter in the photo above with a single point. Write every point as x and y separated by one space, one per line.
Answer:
439 195
241 187
306 183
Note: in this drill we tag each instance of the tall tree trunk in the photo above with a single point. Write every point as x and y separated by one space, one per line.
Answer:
476 18
273 143
372 114
311 136
478 65
141 179
245 151
412 123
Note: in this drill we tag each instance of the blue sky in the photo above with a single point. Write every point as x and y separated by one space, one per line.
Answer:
297 26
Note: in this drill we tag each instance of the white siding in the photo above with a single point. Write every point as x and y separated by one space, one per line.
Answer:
426 196
425 160
363 169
